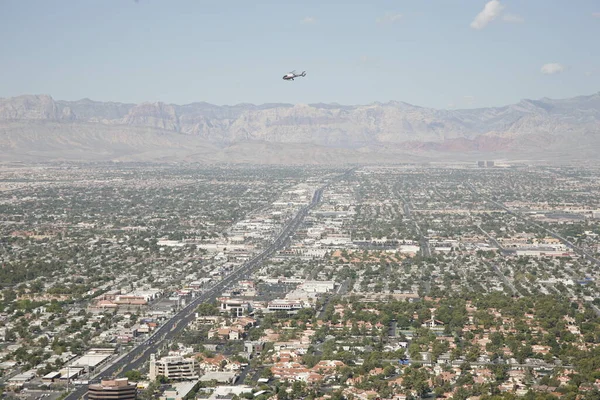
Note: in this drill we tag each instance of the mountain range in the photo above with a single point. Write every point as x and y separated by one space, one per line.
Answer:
39 128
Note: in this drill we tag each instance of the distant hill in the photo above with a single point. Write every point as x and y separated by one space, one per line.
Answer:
39 128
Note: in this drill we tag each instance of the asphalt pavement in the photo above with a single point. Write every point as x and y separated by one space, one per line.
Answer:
140 354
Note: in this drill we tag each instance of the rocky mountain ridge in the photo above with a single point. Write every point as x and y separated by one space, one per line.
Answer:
130 130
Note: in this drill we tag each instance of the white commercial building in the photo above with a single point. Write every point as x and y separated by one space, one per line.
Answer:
236 305
90 360
179 390
318 286
175 368
285 305
336 239
409 248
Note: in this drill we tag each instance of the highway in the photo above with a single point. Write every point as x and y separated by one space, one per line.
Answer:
506 281
504 251
138 355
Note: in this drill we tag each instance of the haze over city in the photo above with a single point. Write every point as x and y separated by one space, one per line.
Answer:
227 200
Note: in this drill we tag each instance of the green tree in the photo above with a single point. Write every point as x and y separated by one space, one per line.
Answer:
133 375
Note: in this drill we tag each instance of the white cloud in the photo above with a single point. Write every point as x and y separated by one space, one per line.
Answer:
365 61
389 18
552 68
308 20
490 12
513 18
592 71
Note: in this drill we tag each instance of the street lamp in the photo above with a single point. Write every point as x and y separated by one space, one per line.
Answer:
68 378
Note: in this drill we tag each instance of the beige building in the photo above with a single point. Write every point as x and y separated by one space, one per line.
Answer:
174 367
117 389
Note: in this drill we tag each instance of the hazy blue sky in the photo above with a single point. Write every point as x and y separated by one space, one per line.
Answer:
439 53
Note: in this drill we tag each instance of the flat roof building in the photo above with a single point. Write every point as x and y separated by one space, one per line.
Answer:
285 305
237 305
91 360
174 367
116 389
178 391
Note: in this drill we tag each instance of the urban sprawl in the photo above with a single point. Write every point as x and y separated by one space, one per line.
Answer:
459 281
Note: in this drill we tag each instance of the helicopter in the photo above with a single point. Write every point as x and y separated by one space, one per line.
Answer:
291 75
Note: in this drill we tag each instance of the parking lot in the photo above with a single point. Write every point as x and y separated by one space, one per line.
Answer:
28 394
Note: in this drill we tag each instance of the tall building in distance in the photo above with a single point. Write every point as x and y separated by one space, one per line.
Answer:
489 164
116 389
174 367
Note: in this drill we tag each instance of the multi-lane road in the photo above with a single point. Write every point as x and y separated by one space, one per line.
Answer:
141 353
